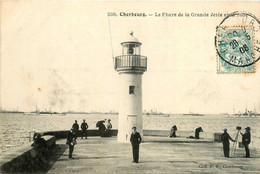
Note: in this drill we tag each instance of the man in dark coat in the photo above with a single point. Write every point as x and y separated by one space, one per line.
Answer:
75 126
135 141
71 141
101 127
197 132
246 140
225 140
40 146
84 127
173 131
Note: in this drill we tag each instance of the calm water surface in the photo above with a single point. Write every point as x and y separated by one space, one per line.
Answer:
15 128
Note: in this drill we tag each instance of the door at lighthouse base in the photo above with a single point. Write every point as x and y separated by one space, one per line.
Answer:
131 122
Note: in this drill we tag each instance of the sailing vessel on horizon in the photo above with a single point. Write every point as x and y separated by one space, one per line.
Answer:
38 112
246 113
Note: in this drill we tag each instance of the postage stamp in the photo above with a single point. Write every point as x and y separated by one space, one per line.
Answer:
236 49
236 46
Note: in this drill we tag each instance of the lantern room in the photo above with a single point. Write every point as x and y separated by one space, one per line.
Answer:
131 59
131 46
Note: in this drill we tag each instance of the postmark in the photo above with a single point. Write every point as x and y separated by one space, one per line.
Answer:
237 43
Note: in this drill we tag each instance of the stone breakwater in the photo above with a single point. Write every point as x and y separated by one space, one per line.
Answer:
24 159
27 160
98 155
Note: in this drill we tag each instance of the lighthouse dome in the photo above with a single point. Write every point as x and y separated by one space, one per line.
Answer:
130 39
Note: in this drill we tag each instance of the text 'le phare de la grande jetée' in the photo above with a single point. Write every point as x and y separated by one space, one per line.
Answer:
165 14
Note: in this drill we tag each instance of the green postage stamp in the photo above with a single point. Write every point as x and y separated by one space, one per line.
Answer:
235 44
236 49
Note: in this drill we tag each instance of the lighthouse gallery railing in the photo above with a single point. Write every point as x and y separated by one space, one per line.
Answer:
131 61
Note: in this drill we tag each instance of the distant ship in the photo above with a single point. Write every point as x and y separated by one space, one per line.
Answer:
156 114
193 114
38 112
44 113
246 113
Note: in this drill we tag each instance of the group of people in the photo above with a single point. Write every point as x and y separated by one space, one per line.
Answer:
104 129
135 139
197 132
225 137
246 140
74 133
84 127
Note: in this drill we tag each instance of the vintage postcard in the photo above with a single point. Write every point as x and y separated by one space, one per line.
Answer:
129 87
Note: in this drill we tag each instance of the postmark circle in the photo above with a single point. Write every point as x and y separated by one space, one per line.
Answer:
235 39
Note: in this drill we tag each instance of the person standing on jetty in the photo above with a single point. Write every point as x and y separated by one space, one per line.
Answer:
75 126
108 128
246 140
173 131
84 127
108 125
135 140
197 132
225 139
71 141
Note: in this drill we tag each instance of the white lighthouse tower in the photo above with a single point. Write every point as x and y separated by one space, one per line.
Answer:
130 66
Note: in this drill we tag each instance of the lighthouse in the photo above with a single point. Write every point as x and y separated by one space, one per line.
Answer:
130 65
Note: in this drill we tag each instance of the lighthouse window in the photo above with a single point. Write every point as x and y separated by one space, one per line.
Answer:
131 89
131 49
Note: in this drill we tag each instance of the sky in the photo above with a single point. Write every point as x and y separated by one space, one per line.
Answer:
58 56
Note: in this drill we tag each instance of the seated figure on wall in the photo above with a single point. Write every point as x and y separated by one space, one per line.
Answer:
101 127
173 131
40 147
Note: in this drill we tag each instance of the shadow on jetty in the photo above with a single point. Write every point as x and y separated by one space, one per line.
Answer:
89 158
28 164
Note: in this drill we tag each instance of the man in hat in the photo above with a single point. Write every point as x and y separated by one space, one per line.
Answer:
135 141
246 140
84 127
225 139
75 126
71 141
108 128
